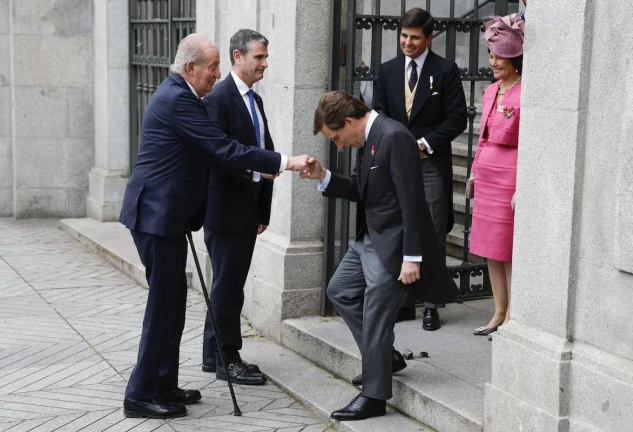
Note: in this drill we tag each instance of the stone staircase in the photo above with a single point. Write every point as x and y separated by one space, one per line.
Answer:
455 239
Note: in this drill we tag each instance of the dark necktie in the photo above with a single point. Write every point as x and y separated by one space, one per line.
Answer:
413 79
251 99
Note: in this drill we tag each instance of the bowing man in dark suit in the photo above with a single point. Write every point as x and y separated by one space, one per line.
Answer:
238 203
424 92
164 197
397 249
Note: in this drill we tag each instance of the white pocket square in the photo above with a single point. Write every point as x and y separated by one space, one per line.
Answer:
374 167
435 94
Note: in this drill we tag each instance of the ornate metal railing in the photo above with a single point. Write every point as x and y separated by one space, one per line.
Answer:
348 41
156 27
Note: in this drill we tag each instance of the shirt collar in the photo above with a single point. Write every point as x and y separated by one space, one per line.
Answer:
241 86
418 60
193 90
370 121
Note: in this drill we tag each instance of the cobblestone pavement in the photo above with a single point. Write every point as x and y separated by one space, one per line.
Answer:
69 331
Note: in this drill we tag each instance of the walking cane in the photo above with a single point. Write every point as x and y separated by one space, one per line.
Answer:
218 339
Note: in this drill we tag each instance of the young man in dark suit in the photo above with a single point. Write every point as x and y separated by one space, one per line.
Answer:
397 249
424 92
238 203
164 197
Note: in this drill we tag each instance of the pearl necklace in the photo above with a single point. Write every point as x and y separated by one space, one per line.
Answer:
501 82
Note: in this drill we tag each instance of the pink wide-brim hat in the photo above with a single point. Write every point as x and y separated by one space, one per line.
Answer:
504 35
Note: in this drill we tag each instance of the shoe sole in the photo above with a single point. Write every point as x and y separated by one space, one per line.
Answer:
359 418
223 378
135 414
431 328
208 368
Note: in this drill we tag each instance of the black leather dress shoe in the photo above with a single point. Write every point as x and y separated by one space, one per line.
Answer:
405 314
240 374
157 408
431 319
397 364
180 396
361 408
209 365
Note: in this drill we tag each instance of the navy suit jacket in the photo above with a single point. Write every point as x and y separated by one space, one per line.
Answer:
233 202
439 114
168 186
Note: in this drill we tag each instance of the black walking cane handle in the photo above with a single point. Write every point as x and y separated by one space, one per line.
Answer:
236 408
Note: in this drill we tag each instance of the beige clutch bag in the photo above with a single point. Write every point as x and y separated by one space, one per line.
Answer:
470 188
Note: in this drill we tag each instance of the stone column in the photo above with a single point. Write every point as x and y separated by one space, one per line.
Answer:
531 360
112 110
6 111
285 278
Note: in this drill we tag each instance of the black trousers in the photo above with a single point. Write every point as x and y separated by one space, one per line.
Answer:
231 254
156 369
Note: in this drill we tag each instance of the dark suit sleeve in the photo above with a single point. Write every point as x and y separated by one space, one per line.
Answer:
343 187
406 174
265 201
191 122
456 117
380 98
266 193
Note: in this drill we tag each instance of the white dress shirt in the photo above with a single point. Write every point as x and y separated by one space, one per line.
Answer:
419 62
284 159
243 89
328 176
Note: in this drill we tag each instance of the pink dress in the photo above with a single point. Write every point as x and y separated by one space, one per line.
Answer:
495 168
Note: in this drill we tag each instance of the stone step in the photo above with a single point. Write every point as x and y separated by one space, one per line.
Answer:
113 241
460 152
459 180
318 389
444 391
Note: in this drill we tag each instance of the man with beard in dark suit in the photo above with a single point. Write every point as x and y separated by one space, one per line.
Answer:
424 92
397 249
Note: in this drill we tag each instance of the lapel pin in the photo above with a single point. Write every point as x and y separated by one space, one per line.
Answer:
431 82
373 150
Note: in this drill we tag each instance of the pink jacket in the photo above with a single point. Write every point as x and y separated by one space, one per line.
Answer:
505 126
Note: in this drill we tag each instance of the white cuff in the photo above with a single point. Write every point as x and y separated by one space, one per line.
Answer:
326 181
284 163
428 147
409 258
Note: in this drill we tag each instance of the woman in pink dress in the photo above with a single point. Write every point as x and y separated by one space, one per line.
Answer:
494 169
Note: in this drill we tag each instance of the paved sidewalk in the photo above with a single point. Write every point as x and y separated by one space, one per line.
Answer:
69 330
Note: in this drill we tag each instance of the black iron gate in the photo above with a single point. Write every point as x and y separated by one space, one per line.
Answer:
358 34
156 27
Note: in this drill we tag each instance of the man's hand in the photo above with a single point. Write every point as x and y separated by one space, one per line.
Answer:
261 228
410 272
315 170
298 163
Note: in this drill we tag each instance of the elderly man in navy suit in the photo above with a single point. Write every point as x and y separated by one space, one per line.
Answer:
238 203
165 196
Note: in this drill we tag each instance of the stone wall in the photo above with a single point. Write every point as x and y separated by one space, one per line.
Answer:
46 107
565 361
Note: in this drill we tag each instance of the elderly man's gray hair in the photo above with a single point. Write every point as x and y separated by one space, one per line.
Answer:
242 40
190 49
